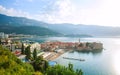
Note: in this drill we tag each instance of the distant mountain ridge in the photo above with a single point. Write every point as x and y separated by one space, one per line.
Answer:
20 25
92 30
23 25
18 21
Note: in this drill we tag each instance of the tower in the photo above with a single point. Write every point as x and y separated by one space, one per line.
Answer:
79 40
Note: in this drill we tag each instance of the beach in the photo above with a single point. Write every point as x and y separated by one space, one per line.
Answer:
50 56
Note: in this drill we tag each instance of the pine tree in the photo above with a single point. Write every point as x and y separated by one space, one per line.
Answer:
28 53
35 54
22 49
0 42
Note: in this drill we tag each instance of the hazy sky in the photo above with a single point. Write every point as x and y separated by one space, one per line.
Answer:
94 12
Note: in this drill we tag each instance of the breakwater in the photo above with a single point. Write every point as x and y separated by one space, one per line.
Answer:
74 59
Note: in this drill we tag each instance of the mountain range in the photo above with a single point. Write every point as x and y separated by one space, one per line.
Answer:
21 25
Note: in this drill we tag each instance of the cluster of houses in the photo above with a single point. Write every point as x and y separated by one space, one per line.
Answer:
50 46
16 46
88 46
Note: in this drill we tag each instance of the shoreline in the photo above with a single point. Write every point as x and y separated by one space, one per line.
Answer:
54 55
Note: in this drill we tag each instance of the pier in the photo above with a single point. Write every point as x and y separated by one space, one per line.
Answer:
74 59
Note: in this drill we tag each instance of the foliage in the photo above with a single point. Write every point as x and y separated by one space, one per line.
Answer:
29 27
28 53
11 65
40 64
0 42
62 70
87 44
22 49
34 54
37 73
80 45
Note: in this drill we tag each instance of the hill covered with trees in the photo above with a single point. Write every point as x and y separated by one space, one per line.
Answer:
11 65
20 25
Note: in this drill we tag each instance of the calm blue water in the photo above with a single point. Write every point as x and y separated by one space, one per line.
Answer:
106 62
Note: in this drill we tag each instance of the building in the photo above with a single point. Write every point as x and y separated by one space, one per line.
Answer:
36 46
97 46
3 35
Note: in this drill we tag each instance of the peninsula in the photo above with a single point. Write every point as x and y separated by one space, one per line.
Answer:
50 50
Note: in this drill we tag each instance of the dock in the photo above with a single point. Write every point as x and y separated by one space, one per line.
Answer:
74 59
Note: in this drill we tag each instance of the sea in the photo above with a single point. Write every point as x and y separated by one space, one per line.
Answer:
105 62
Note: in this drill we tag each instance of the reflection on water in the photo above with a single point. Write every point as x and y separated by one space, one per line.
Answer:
106 62
116 62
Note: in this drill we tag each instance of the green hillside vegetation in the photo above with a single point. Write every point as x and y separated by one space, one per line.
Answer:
21 25
62 70
11 65
28 30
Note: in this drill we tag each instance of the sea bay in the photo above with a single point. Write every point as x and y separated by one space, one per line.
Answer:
105 62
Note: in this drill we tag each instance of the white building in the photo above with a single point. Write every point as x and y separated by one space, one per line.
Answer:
36 46
3 35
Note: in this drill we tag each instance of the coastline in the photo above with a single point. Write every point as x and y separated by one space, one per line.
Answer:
54 55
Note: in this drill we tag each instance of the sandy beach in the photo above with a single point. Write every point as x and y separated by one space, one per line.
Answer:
53 55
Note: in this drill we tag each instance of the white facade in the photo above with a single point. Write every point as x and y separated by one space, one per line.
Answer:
36 46
2 35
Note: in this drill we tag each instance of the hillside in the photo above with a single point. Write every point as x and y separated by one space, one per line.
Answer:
11 65
18 21
28 30
21 25
92 30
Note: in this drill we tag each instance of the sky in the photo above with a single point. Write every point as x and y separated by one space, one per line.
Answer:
89 12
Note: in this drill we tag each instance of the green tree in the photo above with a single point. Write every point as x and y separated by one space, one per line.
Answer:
38 64
80 45
22 49
62 70
11 65
28 52
87 44
35 54
46 65
70 66
37 73
0 42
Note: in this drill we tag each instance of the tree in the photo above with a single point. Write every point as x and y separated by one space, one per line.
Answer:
11 65
37 73
87 44
28 53
38 64
62 70
80 45
22 49
35 54
0 42
70 66
46 65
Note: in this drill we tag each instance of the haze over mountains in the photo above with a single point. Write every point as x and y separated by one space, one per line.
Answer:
22 25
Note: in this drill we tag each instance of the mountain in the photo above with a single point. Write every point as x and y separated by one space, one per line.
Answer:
93 30
20 25
28 30
19 21
23 25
